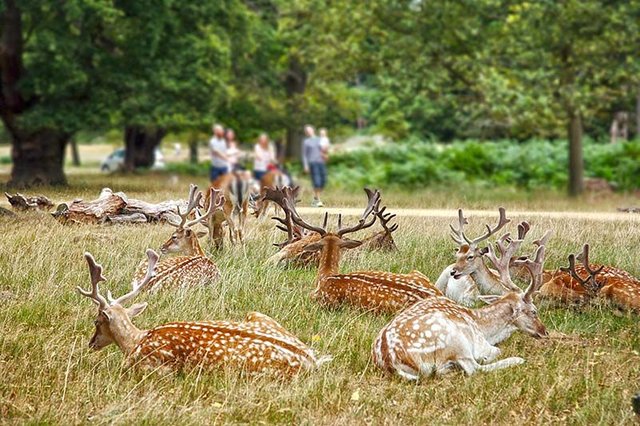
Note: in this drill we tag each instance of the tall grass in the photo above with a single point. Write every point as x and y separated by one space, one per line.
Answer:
585 373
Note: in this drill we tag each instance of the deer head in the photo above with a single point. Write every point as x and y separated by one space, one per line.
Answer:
383 240
185 239
589 283
278 196
331 243
113 323
469 256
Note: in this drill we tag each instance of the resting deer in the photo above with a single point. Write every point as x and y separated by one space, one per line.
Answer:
437 334
235 188
372 290
469 277
193 268
583 283
256 344
382 240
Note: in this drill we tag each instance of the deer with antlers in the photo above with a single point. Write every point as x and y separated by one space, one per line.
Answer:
436 334
257 344
583 283
235 189
469 277
372 290
193 267
382 240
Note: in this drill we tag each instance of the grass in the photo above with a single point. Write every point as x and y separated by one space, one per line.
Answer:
585 373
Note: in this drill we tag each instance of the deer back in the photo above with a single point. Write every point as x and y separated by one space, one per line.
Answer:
178 272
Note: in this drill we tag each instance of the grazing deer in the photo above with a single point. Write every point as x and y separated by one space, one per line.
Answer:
608 282
436 334
382 240
373 290
193 268
235 188
272 180
469 277
256 344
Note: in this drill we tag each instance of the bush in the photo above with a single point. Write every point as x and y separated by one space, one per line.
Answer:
532 164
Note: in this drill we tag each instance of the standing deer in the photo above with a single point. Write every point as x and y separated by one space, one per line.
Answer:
193 268
436 334
257 344
608 282
372 290
469 277
272 180
235 188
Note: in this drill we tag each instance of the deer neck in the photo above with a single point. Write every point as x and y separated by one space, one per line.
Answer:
495 321
195 249
329 260
488 281
125 334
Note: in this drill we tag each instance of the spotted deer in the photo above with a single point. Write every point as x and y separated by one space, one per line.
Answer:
436 334
376 291
257 344
382 240
235 189
579 284
271 181
192 268
469 277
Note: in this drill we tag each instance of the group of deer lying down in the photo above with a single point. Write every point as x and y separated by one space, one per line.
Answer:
436 328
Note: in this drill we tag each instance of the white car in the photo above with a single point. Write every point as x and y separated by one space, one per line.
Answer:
115 161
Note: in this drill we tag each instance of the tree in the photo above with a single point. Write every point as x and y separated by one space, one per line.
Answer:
49 56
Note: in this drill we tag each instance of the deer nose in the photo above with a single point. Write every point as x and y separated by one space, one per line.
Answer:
453 272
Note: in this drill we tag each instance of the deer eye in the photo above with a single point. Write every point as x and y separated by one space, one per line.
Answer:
470 257
96 323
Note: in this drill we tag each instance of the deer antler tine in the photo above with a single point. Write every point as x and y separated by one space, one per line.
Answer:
523 228
216 200
95 271
295 217
373 204
543 241
152 259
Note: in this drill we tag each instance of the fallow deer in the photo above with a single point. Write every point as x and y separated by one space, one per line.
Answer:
469 277
193 267
235 188
272 180
372 290
382 240
257 344
436 334
582 283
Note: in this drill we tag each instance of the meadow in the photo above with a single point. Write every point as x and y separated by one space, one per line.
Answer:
584 373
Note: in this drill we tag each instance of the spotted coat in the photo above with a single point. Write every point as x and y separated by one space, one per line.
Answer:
179 273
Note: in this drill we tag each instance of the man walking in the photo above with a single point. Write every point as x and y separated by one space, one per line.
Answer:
314 158
219 158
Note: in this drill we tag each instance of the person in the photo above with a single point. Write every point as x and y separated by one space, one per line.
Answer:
264 157
314 159
325 143
233 152
218 149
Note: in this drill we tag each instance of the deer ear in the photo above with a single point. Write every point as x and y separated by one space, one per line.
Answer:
313 247
489 298
136 309
349 244
201 234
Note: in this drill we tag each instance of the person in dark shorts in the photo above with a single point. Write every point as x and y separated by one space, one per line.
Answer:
218 149
314 159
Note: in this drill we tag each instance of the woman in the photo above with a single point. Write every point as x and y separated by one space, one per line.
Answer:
233 152
264 157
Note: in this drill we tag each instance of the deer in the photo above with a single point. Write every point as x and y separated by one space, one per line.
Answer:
193 268
257 344
376 291
469 277
579 284
382 240
272 180
436 334
235 188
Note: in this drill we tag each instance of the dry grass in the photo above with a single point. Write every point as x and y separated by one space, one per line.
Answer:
585 373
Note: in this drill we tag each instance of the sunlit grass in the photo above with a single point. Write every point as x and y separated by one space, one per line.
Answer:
585 373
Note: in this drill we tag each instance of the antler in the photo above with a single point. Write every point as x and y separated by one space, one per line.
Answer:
502 221
194 201
385 218
590 284
372 204
152 259
295 217
95 270
216 200
536 268
507 247
458 234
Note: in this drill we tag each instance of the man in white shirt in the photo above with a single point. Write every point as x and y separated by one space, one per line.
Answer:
218 149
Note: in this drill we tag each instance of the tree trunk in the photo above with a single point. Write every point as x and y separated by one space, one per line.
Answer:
193 149
638 114
75 155
140 145
576 165
295 84
38 159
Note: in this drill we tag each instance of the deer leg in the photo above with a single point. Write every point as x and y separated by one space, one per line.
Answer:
503 363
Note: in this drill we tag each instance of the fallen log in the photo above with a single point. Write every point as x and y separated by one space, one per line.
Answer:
23 203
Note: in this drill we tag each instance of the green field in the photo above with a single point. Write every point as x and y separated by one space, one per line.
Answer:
584 373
